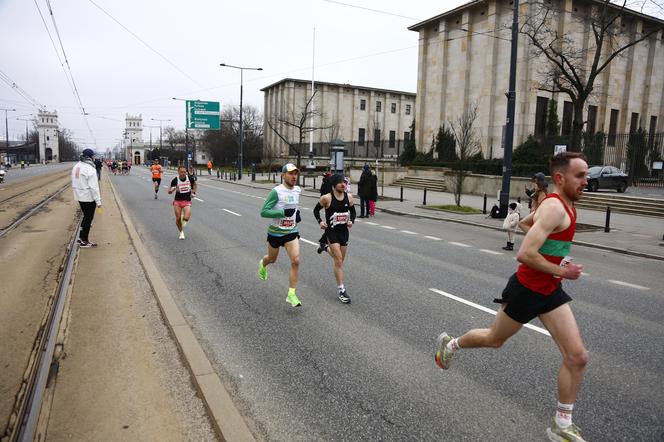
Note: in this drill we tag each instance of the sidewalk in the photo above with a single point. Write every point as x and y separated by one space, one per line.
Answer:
629 234
120 374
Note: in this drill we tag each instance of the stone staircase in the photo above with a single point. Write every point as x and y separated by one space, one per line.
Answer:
429 183
622 204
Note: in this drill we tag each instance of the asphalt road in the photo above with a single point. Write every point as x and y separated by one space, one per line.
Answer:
365 371
16 174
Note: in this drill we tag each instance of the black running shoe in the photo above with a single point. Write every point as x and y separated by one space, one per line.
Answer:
87 245
321 248
343 297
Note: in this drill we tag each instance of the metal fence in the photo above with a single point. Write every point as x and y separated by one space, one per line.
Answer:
639 154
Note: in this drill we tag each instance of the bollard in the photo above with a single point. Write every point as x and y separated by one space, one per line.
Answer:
274 179
217 173
608 219
253 177
314 183
518 199
424 201
401 195
484 207
281 179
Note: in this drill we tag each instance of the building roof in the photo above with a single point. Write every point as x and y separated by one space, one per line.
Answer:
390 91
418 26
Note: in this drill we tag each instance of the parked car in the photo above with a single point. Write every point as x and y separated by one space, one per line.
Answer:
607 177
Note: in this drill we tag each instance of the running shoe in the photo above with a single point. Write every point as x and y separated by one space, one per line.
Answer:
181 235
87 245
155 196
443 355
292 299
567 434
262 271
322 247
78 241
343 297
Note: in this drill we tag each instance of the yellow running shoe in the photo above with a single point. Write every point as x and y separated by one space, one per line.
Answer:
292 298
262 271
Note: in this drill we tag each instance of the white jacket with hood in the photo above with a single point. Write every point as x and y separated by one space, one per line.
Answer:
84 181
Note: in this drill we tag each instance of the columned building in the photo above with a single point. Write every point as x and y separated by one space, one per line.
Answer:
371 121
133 139
47 128
464 59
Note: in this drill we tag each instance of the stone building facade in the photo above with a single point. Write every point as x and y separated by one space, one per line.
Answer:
47 128
360 116
464 57
133 139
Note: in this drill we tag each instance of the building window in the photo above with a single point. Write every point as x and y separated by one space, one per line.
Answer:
393 138
592 119
406 136
633 125
613 126
568 113
360 136
376 141
540 117
393 108
48 138
363 104
408 109
379 105
653 124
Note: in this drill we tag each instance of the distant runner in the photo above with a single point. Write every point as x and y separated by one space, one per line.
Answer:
156 170
184 187
281 205
535 291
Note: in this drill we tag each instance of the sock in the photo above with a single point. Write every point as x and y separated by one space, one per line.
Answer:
342 288
564 415
453 345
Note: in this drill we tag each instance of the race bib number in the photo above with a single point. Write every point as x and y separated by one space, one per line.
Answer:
287 223
340 218
184 188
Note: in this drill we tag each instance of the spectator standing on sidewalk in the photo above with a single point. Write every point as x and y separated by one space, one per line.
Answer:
326 186
373 193
536 194
98 166
510 225
364 190
85 184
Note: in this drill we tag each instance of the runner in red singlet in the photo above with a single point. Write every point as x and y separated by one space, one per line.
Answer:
535 291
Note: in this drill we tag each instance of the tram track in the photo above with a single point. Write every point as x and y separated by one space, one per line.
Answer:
30 211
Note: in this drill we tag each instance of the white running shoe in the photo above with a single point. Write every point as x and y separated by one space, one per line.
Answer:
181 235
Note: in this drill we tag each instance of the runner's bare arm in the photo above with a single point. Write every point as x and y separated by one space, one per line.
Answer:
526 223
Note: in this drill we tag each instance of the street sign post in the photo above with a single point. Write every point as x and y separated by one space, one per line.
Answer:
203 115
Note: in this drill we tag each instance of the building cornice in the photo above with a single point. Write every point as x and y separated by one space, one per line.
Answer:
351 86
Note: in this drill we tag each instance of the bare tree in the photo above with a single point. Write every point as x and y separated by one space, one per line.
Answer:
573 63
300 121
468 145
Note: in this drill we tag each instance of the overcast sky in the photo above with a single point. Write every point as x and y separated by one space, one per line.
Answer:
177 47
115 73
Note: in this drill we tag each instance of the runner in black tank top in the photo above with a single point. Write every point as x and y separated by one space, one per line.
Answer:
339 218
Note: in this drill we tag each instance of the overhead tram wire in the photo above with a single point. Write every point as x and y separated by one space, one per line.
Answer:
19 90
72 82
146 44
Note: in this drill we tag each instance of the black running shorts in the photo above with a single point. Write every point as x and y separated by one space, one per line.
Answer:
279 241
524 305
157 180
337 236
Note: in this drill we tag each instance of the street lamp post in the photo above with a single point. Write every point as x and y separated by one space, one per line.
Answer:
186 135
160 128
26 130
7 130
242 69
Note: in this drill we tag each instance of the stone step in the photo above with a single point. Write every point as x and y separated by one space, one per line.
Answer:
629 211
434 184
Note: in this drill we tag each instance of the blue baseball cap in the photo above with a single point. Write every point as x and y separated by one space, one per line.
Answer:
88 152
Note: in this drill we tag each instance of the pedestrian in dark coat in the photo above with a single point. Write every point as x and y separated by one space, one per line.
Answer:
364 191
326 186
373 194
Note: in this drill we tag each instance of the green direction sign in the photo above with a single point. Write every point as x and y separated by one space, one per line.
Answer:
202 114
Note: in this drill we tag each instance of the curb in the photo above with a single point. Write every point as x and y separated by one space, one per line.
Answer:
227 421
475 224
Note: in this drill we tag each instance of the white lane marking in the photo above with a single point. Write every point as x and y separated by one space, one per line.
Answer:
585 274
307 208
433 238
198 199
388 227
309 242
408 232
492 252
485 309
460 244
627 284
231 212
370 223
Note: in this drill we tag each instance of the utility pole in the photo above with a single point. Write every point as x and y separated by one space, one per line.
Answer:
160 129
511 107
7 131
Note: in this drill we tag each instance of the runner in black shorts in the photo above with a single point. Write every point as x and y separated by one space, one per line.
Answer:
339 218
156 171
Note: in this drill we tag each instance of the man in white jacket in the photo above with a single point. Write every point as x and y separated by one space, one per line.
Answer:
85 184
